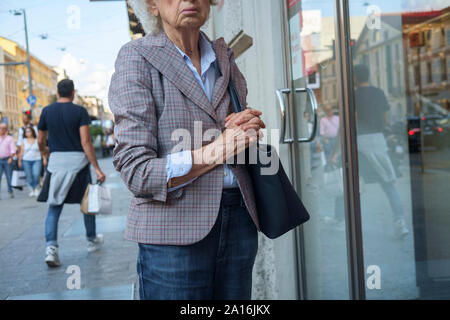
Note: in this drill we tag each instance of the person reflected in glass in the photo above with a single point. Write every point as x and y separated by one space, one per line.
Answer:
375 165
329 129
317 155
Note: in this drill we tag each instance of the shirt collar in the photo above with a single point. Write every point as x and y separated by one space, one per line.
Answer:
207 54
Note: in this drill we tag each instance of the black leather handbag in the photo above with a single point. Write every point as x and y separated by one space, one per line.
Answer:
278 206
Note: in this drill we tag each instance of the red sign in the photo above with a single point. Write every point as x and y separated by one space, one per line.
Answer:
292 3
220 5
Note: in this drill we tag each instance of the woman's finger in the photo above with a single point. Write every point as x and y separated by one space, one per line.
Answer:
229 116
254 112
248 127
231 119
256 120
247 118
241 117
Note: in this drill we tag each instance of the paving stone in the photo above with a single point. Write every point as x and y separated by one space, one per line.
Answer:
104 225
103 293
22 249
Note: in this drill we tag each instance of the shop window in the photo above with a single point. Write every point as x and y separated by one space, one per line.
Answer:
444 69
376 36
389 69
417 74
442 38
427 37
429 73
397 52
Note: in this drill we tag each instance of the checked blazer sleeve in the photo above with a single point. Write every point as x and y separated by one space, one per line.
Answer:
136 130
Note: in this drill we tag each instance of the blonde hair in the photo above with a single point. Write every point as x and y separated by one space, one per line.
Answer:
150 23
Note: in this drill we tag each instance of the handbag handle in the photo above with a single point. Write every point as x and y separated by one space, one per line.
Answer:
237 106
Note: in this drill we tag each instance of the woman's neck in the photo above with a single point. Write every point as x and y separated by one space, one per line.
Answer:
185 40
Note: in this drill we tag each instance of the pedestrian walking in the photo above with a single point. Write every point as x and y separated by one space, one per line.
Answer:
7 153
193 216
64 126
329 130
26 119
30 160
375 165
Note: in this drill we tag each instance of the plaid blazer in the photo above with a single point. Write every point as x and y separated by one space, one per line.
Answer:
152 93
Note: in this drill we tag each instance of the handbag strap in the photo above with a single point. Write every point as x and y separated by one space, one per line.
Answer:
237 106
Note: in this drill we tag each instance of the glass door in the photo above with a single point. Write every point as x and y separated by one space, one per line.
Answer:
312 130
400 65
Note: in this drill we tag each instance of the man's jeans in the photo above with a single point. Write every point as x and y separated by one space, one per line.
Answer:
217 267
7 168
329 147
33 172
51 225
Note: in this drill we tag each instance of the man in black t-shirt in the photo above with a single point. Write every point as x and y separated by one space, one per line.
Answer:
62 121
370 103
64 137
374 162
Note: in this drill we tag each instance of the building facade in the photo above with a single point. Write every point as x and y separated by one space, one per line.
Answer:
8 92
43 76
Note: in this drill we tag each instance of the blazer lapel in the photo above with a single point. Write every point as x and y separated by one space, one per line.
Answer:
165 57
223 62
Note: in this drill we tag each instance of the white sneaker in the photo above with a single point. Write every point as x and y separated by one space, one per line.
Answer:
36 192
52 258
334 223
96 244
400 228
31 194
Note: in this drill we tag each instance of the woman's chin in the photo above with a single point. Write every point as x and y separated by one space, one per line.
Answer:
191 22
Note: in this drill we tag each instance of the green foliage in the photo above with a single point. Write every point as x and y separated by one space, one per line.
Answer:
95 131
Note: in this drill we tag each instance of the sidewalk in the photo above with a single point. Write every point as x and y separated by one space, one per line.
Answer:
109 273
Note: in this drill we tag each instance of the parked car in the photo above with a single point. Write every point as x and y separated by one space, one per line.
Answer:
432 130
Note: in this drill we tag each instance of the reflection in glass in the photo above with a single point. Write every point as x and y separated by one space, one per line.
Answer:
313 64
400 65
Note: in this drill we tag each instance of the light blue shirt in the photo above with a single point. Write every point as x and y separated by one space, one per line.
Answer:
179 164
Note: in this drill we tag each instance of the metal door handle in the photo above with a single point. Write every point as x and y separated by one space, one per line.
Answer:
312 97
280 93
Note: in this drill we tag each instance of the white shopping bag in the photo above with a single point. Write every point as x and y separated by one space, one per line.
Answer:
99 200
18 179
333 182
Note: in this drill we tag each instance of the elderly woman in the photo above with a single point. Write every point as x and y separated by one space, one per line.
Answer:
192 214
